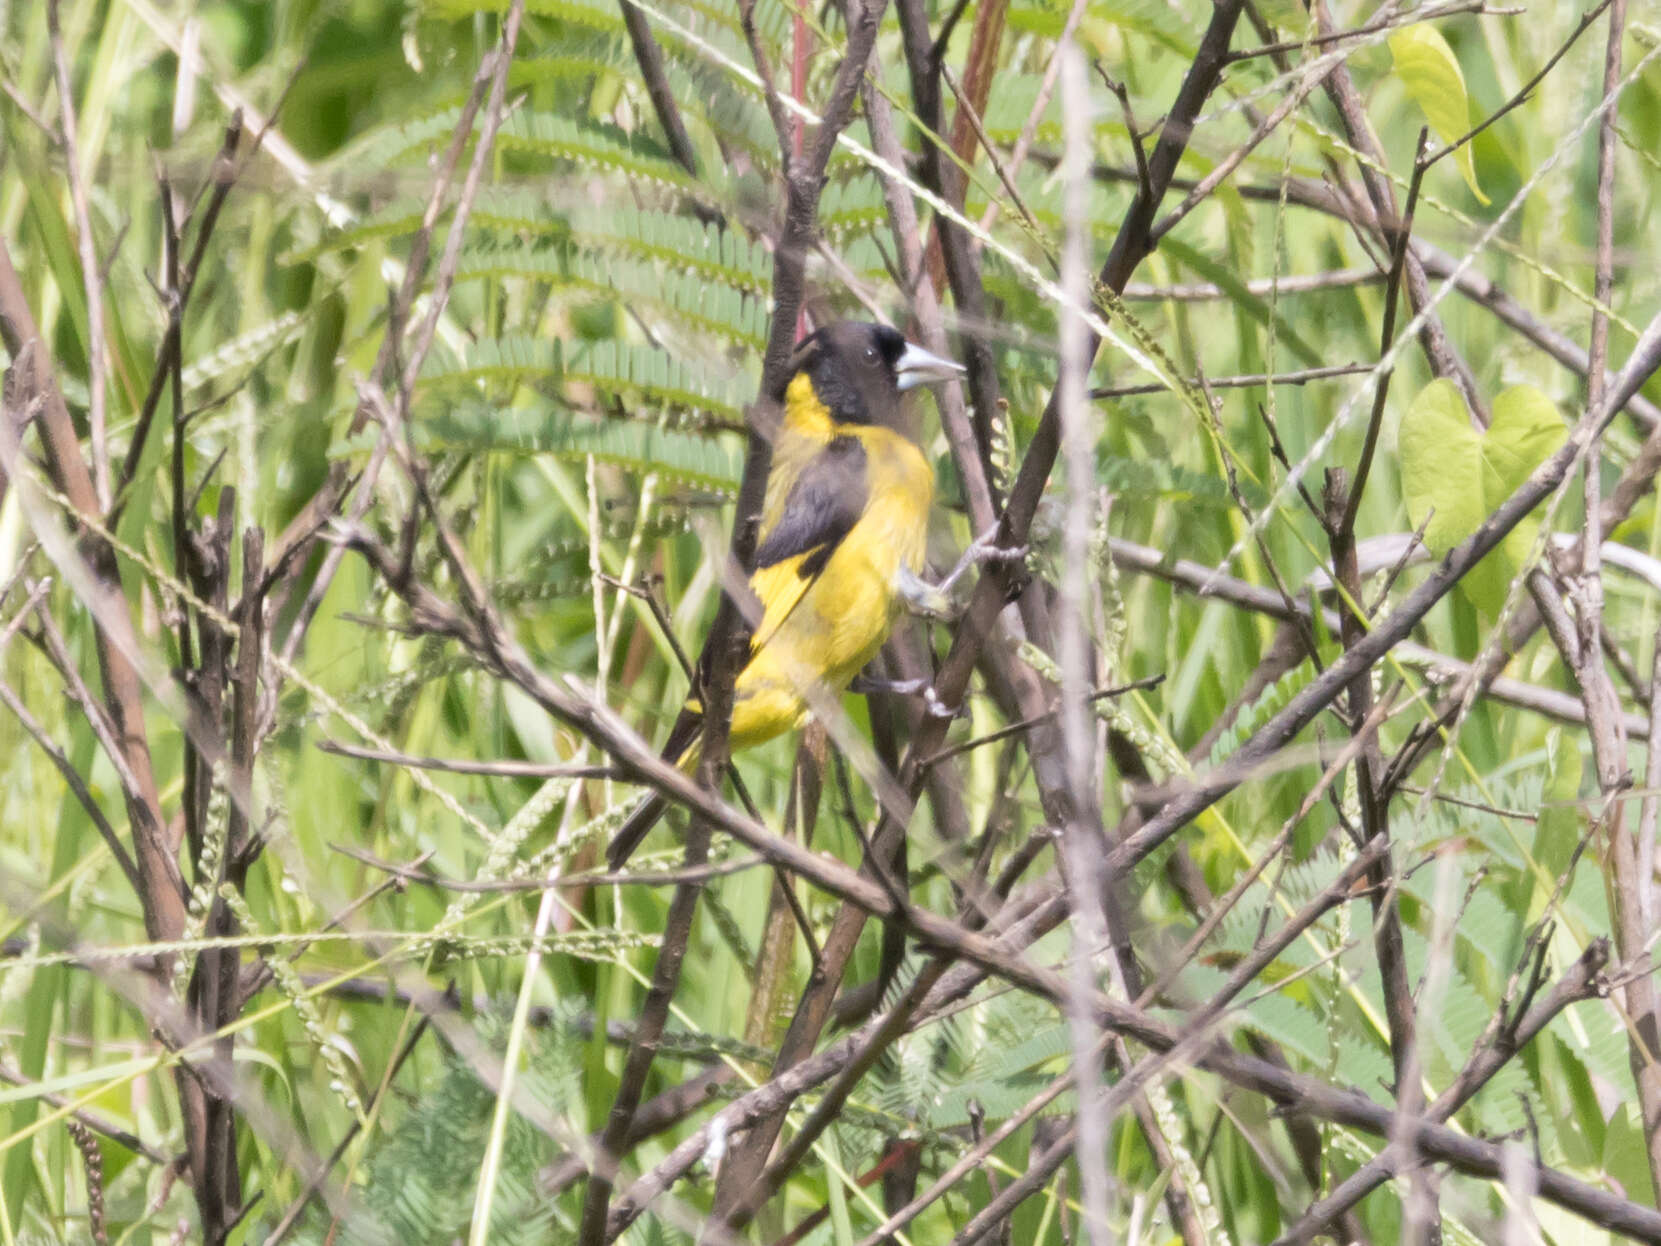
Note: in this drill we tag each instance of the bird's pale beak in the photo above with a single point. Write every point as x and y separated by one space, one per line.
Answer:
916 366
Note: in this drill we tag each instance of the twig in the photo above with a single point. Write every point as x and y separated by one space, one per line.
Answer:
225 170
650 59
1345 530
1299 377
450 765
1389 22
1651 806
966 110
1202 291
1317 73
92 1121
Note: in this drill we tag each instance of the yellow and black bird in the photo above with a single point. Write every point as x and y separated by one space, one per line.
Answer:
842 539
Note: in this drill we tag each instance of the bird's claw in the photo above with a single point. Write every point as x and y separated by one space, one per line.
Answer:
933 706
983 549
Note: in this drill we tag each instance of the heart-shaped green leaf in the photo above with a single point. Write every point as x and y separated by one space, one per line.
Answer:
1455 476
1429 70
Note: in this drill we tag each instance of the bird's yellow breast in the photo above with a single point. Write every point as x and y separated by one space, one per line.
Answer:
821 630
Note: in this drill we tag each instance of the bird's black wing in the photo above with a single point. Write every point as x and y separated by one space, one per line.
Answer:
821 508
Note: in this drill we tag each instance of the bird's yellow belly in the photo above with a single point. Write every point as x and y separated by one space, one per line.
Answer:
846 613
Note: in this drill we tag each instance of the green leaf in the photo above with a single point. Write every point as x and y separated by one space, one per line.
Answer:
1526 431
705 462
1429 70
1455 476
1441 466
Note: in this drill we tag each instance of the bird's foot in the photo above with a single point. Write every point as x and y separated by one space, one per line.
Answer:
932 601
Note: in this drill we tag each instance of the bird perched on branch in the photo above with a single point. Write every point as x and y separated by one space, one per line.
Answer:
842 539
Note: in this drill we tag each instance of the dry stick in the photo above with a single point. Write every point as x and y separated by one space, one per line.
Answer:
1583 981
1603 708
1368 730
194 799
654 1012
1250 380
1307 703
1343 503
1388 22
1081 841
1292 283
451 765
729 636
1527 89
890 1027
92 1121
966 112
1651 805
212 993
91 278
970 1160
1313 76
924 64
638 878
1040 103
782 1089
649 56
57 652
1026 724
225 170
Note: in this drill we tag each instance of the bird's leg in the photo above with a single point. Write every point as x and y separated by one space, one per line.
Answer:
932 705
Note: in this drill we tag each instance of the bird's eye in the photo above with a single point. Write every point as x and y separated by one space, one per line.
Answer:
870 356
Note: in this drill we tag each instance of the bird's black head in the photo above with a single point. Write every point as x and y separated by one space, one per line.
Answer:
860 370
